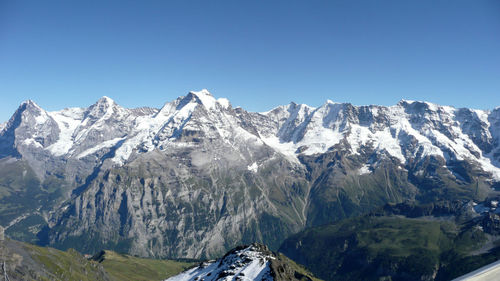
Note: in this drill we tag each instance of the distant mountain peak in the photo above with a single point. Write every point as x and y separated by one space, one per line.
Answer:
205 98
328 101
202 92
402 101
30 102
104 106
105 100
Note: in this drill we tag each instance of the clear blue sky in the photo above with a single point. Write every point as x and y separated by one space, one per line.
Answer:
258 54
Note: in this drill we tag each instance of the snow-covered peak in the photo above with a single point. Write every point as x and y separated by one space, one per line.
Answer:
424 106
31 103
328 101
105 100
105 108
283 111
242 263
406 101
29 109
202 93
205 98
104 103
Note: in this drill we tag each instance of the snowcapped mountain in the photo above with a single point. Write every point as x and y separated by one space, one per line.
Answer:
254 262
408 130
243 264
197 176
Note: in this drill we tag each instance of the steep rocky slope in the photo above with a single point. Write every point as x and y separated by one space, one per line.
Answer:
198 177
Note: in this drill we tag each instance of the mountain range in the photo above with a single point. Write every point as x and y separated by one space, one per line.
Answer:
198 177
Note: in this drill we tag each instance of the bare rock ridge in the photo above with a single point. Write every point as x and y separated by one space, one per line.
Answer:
198 177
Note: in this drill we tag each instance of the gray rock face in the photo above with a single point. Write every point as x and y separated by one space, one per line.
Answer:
197 177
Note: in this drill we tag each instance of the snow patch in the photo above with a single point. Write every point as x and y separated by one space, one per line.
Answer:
365 169
287 149
254 167
224 102
32 142
105 144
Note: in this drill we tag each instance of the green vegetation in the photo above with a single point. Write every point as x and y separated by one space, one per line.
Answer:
27 229
20 190
125 267
30 262
68 265
370 247
23 198
299 272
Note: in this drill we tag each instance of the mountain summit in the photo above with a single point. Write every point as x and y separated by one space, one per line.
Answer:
253 262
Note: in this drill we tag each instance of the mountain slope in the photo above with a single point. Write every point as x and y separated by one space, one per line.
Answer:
437 241
198 177
125 267
25 261
254 262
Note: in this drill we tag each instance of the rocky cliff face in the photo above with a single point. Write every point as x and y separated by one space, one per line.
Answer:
198 177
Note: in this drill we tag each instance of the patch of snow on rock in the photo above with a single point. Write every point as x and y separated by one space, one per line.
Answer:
365 169
105 144
245 264
254 167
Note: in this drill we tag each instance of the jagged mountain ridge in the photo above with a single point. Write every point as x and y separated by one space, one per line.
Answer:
197 177
407 130
404 130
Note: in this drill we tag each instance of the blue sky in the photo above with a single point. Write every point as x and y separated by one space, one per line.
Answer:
258 54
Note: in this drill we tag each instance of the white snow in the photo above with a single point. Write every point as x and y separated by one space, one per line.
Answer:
206 98
105 144
254 167
223 102
67 121
289 130
381 141
408 101
246 264
285 148
42 118
365 169
33 142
